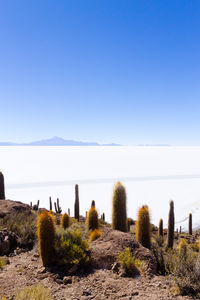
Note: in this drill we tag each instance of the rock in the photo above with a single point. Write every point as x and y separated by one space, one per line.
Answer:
8 241
67 280
106 248
86 292
59 281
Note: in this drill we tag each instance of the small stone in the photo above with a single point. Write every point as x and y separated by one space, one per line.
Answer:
86 292
59 281
42 270
67 280
134 293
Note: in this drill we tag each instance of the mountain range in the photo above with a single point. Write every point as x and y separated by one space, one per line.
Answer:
56 141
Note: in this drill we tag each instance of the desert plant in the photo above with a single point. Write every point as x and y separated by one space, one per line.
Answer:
160 228
190 224
46 237
119 216
95 234
143 227
128 263
182 249
34 292
23 224
170 233
2 263
65 221
76 204
103 217
2 187
70 248
92 219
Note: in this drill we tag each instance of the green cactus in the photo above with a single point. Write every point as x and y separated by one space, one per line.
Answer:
190 224
92 219
143 227
76 204
160 228
119 216
46 237
2 187
65 221
170 233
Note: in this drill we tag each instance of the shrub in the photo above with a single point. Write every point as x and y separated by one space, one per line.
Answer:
143 227
182 249
23 224
65 221
2 263
92 219
129 264
35 292
170 233
119 216
46 237
95 234
70 248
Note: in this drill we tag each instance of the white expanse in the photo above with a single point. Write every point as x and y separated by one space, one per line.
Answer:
151 175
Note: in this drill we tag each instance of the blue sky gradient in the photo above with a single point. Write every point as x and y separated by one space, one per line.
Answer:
105 71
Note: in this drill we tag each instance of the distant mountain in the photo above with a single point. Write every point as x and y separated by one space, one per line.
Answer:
56 141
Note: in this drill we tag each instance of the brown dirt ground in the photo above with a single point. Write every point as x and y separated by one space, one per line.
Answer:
25 269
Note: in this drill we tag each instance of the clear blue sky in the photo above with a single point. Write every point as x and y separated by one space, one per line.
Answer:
124 71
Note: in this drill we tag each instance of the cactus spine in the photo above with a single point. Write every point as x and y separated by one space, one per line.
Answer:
65 221
92 219
46 237
76 204
119 216
2 187
170 233
143 227
160 228
190 224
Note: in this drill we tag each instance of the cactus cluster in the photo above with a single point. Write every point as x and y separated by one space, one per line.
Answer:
143 227
46 237
2 187
119 216
58 209
76 204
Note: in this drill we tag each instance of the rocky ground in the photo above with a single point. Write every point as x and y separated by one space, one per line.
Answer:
25 269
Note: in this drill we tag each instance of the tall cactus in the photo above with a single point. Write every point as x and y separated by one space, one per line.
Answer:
76 204
92 219
190 224
50 204
46 237
170 233
2 187
143 227
119 216
160 228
